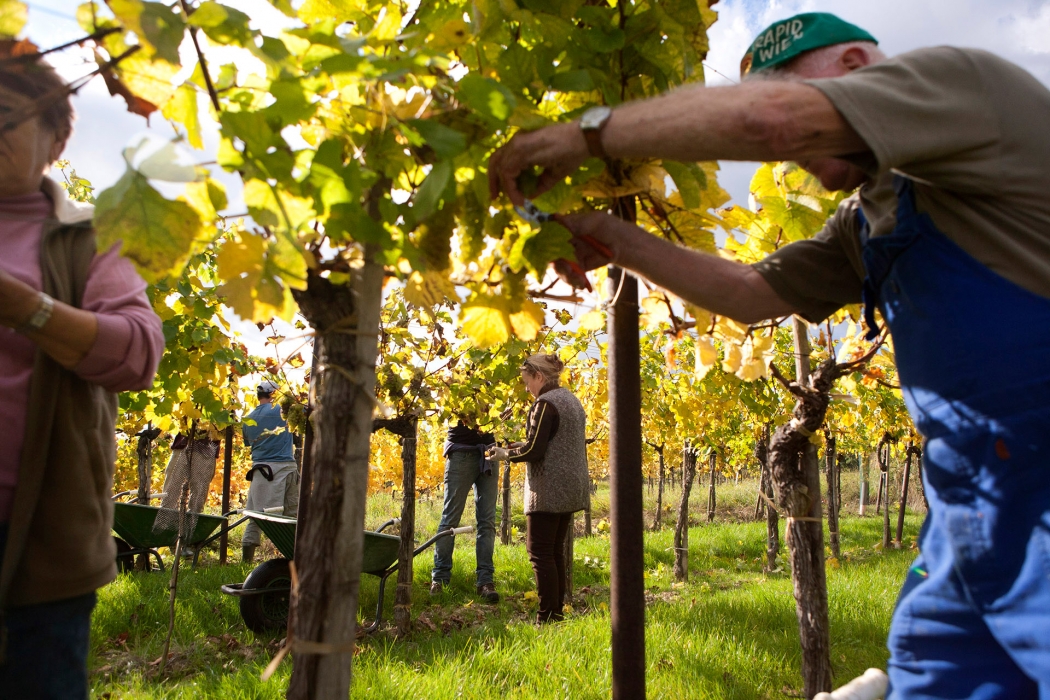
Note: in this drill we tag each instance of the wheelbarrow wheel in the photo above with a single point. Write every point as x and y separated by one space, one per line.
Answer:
125 560
266 612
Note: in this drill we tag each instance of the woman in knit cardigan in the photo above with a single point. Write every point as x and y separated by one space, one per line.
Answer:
557 481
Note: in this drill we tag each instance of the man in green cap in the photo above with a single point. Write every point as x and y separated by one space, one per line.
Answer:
948 236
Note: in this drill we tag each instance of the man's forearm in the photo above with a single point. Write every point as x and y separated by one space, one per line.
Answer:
761 121
724 287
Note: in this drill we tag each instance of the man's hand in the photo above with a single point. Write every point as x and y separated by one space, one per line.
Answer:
600 239
558 149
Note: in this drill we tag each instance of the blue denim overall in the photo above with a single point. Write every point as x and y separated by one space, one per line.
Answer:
973 356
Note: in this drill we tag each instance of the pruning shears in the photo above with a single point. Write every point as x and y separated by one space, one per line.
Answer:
566 269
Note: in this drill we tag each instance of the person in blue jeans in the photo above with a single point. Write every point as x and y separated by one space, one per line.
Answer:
947 235
466 468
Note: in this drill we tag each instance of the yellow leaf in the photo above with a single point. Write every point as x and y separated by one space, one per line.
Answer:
531 597
389 25
453 33
708 353
731 363
703 317
762 343
655 310
527 322
706 356
428 289
242 256
593 320
182 107
730 329
752 370
13 17
485 321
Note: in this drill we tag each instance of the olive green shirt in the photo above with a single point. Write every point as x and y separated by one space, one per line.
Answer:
972 131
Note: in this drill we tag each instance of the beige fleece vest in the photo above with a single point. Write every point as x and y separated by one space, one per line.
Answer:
560 482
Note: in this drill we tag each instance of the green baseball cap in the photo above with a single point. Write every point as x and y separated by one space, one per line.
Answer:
791 37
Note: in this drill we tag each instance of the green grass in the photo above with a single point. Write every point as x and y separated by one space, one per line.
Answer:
728 633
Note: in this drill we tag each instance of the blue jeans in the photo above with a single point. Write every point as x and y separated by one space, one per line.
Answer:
47 647
462 472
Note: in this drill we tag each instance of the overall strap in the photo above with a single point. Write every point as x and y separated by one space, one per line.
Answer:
877 266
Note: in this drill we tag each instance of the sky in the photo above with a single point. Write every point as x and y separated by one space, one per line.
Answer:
1018 30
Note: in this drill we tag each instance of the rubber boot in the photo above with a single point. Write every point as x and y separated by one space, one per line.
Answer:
248 553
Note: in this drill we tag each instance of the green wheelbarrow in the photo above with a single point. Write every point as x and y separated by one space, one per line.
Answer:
137 533
266 592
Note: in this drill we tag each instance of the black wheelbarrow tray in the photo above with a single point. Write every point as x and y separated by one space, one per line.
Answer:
265 594
134 523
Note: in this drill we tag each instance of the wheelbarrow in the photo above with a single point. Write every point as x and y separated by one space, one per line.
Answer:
134 525
265 595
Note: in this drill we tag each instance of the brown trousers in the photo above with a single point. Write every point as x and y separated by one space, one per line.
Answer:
545 543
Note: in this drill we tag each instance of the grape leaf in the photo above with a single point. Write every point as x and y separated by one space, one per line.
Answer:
13 17
158 233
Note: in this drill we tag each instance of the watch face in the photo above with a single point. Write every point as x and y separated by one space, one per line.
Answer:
594 117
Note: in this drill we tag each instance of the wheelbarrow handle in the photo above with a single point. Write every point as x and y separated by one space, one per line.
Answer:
465 530
277 510
388 523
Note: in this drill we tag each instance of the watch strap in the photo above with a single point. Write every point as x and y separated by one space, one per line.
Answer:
594 141
40 317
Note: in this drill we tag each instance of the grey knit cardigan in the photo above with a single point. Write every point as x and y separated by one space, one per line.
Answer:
560 482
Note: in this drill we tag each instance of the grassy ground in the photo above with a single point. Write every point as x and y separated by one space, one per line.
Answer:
730 632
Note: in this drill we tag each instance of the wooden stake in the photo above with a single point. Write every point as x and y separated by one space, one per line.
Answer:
403 594
681 527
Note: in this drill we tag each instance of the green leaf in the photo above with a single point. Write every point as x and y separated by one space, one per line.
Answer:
222 24
572 81
689 180
429 193
13 17
487 97
158 233
447 143
154 23
288 212
604 39
538 248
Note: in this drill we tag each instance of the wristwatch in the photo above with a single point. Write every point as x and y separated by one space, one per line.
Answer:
40 317
592 123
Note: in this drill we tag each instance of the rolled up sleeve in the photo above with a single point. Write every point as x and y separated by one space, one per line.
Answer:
820 275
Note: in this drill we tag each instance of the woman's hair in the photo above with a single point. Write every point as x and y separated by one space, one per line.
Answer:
25 72
550 366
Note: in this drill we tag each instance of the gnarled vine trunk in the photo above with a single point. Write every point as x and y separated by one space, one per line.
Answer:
793 459
329 547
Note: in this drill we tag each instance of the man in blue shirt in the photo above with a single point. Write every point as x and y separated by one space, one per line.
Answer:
274 476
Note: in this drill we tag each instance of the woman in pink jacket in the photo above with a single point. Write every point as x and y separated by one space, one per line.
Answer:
75 328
